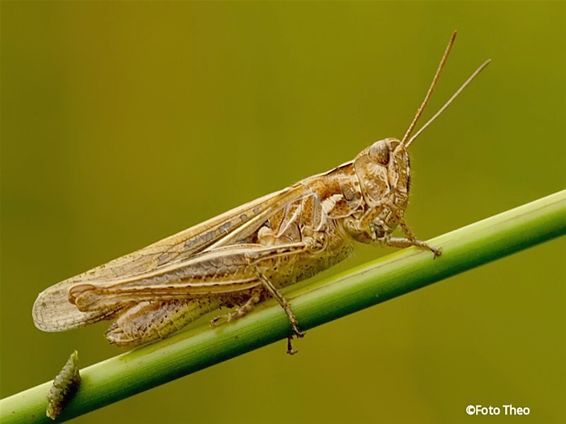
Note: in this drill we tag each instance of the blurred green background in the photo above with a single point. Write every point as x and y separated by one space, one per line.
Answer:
123 123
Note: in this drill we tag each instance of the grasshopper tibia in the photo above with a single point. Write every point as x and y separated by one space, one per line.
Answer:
287 308
408 242
418 243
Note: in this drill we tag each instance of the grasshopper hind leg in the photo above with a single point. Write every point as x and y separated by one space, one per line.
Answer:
153 320
240 311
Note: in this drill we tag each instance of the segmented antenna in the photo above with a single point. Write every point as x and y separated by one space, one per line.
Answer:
406 140
439 69
449 101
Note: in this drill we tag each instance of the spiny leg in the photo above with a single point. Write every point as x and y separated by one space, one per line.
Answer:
410 240
286 307
241 310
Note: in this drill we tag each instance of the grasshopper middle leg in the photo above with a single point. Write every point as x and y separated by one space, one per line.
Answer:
287 308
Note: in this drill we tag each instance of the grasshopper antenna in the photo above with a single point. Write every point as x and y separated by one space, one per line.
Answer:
439 69
448 102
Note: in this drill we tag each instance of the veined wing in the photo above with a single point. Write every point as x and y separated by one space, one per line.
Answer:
52 310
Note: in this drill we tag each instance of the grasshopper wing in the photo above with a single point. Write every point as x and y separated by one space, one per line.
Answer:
52 310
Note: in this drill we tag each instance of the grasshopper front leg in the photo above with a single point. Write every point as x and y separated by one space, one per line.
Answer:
413 241
371 229
407 242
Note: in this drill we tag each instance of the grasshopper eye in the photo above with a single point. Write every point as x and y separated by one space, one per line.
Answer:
379 152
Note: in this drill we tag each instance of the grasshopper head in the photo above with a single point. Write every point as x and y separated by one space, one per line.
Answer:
383 170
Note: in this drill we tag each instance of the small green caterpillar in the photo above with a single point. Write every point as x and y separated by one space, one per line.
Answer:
64 387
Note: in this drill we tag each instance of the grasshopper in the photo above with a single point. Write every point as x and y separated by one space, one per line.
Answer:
247 254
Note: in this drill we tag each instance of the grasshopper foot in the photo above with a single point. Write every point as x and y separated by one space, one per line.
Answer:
220 319
290 350
436 251
296 333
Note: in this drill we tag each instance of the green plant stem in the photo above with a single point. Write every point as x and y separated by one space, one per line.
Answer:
391 276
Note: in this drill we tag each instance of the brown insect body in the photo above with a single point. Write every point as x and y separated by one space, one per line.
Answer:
361 200
248 253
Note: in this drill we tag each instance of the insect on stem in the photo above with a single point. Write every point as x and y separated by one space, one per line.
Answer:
249 253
